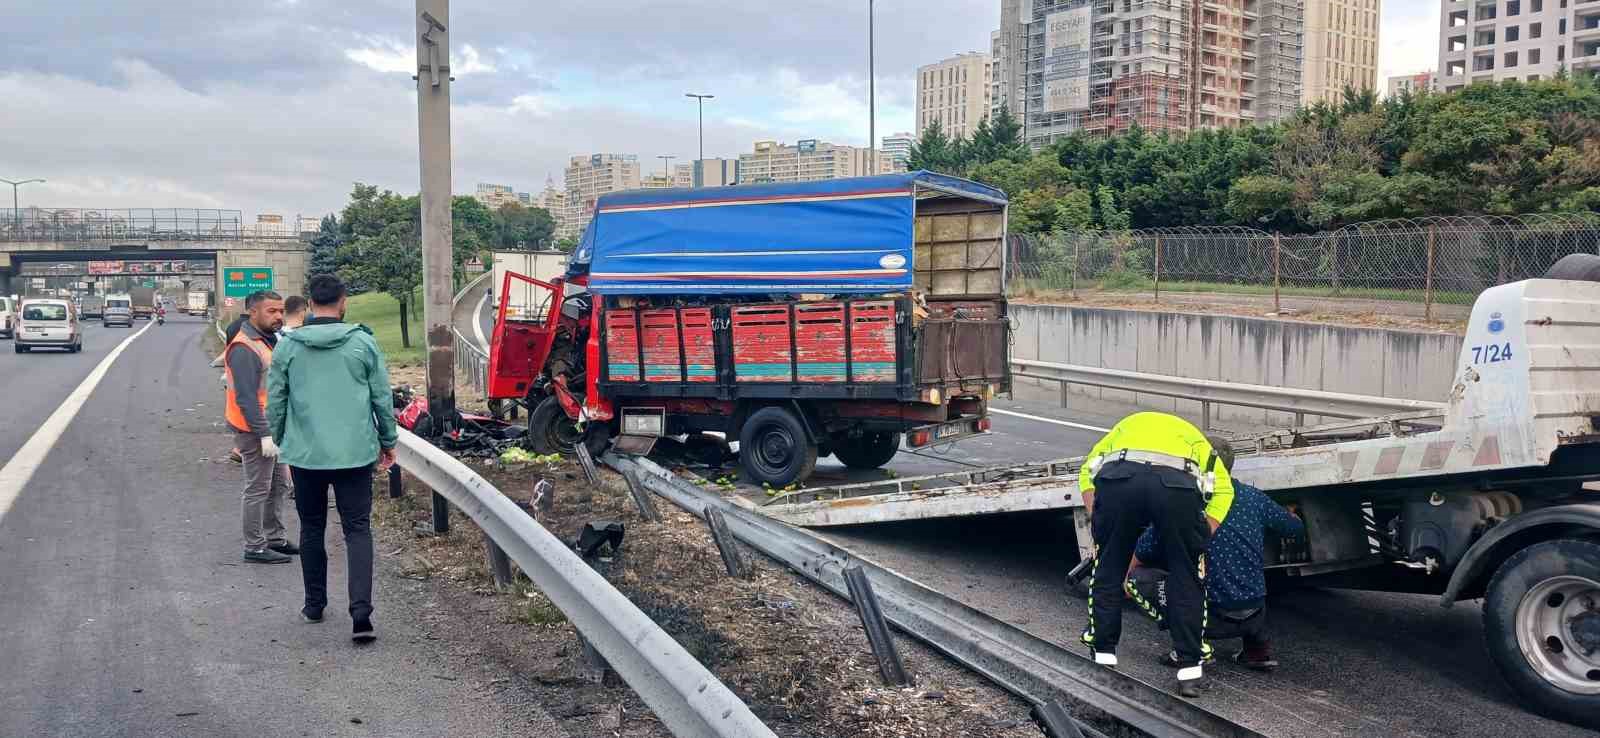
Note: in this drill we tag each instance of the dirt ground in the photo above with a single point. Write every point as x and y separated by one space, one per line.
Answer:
1360 313
797 655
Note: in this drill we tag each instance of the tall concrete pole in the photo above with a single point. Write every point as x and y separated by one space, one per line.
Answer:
433 134
872 97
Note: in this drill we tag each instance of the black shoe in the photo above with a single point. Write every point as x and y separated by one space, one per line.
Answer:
362 632
1170 659
286 548
1189 688
266 556
311 616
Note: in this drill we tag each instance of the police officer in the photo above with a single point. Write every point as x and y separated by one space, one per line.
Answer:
1159 470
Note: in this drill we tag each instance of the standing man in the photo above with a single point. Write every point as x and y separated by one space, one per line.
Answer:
266 481
329 400
294 314
1153 469
1236 582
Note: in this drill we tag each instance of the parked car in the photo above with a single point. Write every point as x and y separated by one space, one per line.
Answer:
48 324
8 318
118 310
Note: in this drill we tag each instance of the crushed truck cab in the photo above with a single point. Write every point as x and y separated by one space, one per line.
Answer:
845 317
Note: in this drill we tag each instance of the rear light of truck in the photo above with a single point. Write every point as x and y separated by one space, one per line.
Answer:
983 425
920 438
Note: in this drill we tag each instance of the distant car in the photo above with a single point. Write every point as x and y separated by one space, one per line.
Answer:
48 324
118 310
8 317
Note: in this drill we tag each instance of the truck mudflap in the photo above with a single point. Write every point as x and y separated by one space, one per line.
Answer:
939 434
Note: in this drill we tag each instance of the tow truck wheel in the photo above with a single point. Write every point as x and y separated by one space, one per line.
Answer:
1541 618
866 451
774 449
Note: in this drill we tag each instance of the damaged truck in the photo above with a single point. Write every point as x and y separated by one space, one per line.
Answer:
843 317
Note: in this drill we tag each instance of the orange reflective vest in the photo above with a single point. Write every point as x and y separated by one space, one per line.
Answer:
264 353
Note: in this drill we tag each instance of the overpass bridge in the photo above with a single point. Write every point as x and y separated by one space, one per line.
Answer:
40 242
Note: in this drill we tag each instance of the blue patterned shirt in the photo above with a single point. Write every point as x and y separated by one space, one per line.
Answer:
1235 575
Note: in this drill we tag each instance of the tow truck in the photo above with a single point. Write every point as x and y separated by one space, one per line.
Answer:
1493 496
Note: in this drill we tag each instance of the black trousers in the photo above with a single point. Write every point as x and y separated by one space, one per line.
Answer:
1148 588
1128 496
352 494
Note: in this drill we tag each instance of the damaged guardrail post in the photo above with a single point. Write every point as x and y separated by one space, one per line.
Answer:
396 491
726 543
878 635
641 497
1055 720
499 564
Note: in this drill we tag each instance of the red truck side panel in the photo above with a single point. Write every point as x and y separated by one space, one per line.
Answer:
819 341
761 348
699 345
663 358
622 346
872 341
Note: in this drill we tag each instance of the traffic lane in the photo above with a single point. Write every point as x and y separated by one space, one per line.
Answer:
1353 663
128 612
32 385
468 315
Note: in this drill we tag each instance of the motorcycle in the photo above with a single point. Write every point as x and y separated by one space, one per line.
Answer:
161 317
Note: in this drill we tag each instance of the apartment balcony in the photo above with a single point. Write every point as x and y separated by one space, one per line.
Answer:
1586 27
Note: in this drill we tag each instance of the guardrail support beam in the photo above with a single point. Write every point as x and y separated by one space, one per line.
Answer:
499 564
878 635
726 543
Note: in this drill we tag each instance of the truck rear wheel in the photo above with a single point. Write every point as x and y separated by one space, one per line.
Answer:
774 449
1577 267
1541 620
866 451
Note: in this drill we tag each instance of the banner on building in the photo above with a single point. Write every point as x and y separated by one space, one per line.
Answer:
1066 65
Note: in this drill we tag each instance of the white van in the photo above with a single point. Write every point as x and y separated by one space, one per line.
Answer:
8 317
48 324
117 309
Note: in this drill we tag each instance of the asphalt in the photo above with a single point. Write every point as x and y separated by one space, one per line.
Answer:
127 611
1353 663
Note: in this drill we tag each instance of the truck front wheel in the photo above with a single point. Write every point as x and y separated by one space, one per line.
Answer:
866 451
550 431
1541 618
774 449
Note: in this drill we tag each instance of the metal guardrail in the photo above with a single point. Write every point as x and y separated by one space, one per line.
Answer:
1301 402
1026 665
687 697
471 359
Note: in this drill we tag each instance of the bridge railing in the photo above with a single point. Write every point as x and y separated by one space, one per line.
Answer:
58 225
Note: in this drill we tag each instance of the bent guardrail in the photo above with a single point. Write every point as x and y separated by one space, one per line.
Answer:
1301 402
687 697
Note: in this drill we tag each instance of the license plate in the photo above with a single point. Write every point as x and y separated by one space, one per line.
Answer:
35 330
953 429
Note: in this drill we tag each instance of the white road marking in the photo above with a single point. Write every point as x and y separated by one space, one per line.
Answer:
477 322
16 473
1068 424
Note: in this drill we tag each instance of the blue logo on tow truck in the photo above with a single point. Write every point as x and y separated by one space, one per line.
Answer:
1496 324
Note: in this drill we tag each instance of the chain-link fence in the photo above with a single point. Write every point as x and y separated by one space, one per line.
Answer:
1426 260
149 224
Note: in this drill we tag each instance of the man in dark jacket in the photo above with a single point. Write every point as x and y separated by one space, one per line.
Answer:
329 404
1236 583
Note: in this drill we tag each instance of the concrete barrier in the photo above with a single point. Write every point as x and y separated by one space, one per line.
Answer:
1334 358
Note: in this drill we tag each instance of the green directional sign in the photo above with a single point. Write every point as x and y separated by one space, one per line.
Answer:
241 281
150 283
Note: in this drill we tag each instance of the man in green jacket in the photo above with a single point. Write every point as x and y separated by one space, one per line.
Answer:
330 410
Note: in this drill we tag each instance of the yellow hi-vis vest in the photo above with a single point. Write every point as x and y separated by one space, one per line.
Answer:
1163 434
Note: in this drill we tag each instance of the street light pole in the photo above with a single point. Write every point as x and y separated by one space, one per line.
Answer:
665 172
872 100
16 210
700 100
433 142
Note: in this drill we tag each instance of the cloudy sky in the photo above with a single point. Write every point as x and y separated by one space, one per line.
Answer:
279 105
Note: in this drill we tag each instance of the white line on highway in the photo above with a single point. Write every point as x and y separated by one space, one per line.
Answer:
1068 424
477 322
16 473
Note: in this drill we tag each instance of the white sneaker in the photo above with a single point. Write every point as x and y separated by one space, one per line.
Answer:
1105 659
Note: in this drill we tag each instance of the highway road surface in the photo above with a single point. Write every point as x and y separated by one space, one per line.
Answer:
126 610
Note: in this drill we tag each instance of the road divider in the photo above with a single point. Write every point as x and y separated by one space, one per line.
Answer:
22 465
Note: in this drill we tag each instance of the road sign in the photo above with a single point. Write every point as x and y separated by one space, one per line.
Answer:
150 283
241 281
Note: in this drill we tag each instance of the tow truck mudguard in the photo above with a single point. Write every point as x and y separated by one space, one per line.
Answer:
1560 518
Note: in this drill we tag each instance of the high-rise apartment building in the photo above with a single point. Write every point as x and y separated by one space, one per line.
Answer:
656 181
955 92
1413 83
494 195
1100 66
1341 48
589 177
1493 40
712 173
554 199
898 148
806 161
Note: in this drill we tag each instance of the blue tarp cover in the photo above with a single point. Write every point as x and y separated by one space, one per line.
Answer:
833 236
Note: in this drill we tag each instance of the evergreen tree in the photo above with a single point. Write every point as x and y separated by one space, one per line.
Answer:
324 256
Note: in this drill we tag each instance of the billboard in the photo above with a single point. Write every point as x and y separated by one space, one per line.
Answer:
806 146
1066 63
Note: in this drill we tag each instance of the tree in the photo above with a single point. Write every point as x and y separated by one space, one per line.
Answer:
1007 133
521 229
390 262
566 245
324 249
936 152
